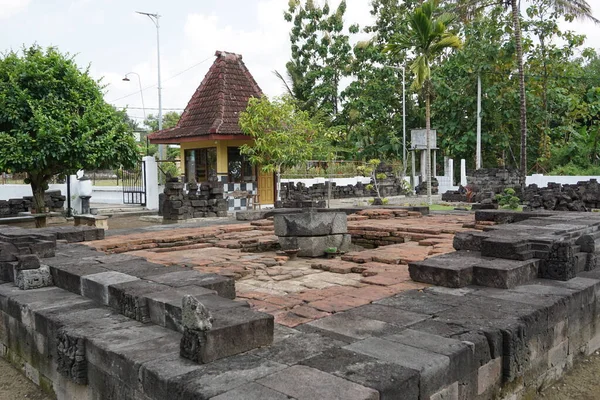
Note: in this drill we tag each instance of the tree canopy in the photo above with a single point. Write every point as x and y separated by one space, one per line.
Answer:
54 120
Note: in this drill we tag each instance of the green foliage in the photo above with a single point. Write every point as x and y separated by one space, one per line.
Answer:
320 55
284 136
508 199
170 119
54 120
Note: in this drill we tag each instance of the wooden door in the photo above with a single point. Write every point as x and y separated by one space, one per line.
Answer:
266 187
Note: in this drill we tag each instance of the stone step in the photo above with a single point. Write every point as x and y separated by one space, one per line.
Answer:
504 274
450 270
507 247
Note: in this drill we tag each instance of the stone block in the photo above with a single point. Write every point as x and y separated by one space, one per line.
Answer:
310 224
315 246
489 375
234 331
164 306
434 368
251 391
68 277
34 278
391 315
140 268
225 287
504 274
71 361
291 348
95 286
461 356
27 261
210 380
350 328
514 248
450 270
128 298
392 381
422 302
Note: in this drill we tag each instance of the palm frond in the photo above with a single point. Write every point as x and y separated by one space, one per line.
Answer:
285 84
577 8
445 42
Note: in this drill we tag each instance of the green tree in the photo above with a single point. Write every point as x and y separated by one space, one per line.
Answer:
428 37
54 120
320 55
284 136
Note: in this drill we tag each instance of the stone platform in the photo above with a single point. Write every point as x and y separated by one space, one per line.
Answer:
111 327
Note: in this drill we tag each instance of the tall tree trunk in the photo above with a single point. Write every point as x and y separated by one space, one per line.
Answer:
427 129
38 188
523 105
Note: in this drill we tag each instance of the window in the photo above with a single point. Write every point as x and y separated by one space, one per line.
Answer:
201 164
239 168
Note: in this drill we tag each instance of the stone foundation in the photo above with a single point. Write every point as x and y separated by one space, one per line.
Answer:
200 201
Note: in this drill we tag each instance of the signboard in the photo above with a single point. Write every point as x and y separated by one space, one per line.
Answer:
418 139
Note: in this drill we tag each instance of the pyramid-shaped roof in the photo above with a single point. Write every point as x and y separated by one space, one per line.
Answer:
214 109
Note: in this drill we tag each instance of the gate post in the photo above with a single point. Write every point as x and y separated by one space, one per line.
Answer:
151 173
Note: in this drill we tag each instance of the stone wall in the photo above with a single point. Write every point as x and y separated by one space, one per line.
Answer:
488 182
53 199
200 201
582 196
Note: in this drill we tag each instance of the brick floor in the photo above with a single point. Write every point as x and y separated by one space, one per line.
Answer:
301 290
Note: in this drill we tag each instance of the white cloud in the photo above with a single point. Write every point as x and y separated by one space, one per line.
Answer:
8 8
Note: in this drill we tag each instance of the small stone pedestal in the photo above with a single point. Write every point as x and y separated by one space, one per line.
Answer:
85 204
312 232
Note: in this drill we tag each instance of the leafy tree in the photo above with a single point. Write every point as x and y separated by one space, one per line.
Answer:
284 136
54 120
428 38
373 112
320 55
170 119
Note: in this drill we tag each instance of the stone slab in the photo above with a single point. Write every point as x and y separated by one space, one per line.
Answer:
505 274
95 286
391 315
450 270
296 347
251 391
219 377
310 224
128 298
305 383
422 302
163 302
434 368
68 277
225 287
392 381
350 328
315 246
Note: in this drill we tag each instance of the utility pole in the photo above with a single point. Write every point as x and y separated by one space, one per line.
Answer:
478 155
155 19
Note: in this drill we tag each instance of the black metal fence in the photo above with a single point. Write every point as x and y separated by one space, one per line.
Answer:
134 185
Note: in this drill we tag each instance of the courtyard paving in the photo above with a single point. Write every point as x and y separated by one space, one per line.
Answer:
301 290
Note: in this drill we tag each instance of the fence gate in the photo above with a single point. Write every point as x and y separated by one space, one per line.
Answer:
134 185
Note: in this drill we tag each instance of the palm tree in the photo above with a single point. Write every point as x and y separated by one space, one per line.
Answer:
428 38
574 8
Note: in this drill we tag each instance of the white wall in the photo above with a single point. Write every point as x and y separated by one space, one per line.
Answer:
100 194
542 180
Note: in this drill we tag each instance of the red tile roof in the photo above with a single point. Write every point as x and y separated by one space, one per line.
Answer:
215 106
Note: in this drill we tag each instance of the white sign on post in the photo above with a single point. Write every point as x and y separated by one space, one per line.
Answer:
418 139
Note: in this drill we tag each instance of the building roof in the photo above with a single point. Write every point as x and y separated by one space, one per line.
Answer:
213 111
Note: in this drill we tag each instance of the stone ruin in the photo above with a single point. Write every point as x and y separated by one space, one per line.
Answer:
312 232
525 246
90 308
485 183
199 201
53 199
582 196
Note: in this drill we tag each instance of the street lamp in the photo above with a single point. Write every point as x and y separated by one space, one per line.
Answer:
126 79
155 19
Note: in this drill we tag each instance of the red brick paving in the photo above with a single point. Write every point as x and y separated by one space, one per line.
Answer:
299 291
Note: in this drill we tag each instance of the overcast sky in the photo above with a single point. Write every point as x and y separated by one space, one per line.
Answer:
114 40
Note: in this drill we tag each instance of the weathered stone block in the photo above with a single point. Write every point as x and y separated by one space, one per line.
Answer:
310 224
128 298
68 277
225 287
71 361
95 286
34 278
315 246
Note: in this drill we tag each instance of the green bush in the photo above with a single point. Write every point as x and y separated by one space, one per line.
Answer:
508 199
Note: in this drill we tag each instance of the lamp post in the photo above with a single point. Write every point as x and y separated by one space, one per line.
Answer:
126 79
155 19
403 114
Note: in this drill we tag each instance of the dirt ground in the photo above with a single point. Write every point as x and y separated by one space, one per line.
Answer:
15 386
